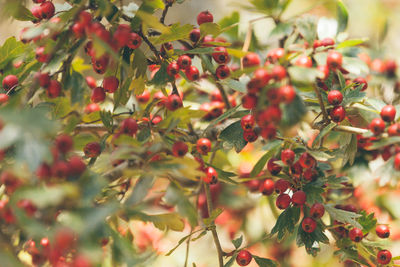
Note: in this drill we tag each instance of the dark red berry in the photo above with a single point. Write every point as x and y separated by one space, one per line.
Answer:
310 174
334 60
203 146
327 41
272 167
382 231
192 73
47 9
249 101
308 225
287 156
76 166
100 65
268 132
195 35
98 95
384 257
388 113
173 102
361 81
64 143
251 60
397 161
204 17
222 72
338 114
317 210
211 176
129 126
134 40
356 234
173 69
377 126
247 122
281 186
299 198
261 78
60 169
394 129
220 55
283 201
43 79
267 187
9 82
335 97
306 160
92 149
110 84
243 258
250 136
179 149
184 62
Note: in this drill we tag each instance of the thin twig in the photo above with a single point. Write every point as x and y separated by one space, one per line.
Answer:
165 11
223 94
321 104
188 247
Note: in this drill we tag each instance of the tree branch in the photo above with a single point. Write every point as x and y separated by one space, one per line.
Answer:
223 94
321 104
165 11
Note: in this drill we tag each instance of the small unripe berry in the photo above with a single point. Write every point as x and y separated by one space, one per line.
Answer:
384 257
92 149
356 234
338 114
317 210
204 17
299 198
243 258
382 231
179 149
203 146
283 201
388 113
308 225
267 187
287 156
377 126
110 84
335 97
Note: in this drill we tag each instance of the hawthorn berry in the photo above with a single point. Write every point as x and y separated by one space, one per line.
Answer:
192 73
184 62
27 206
303 61
335 97
64 239
92 149
211 176
43 79
250 136
382 231
361 81
278 72
317 210
274 96
384 256
100 65
110 84
272 167
338 114
220 55
283 201
179 149
306 161
388 113
261 78
37 13
356 234
144 97
129 126
173 102
222 72
249 101
78 29
251 60
308 225
76 166
64 143
60 169
134 40
327 41
377 126
203 146
334 60
9 82
281 186
287 93
310 174
173 69
267 187
47 10
299 198
3 98
92 107
195 35
204 17
43 172
394 129
268 132
397 161
247 122
244 258
98 95
287 156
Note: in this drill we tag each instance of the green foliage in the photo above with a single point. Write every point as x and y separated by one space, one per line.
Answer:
286 222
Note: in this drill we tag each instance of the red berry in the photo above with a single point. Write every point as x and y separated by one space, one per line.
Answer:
243 258
173 102
299 198
388 113
377 126
165 47
310 174
43 172
250 136
222 72
261 78
317 210
306 160
251 60
356 234
247 122
9 82
36 12
60 169
92 149
253 185
334 60
359 81
384 257
249 101
287 93
338 113
47 9
28 206
179 149
64 239
129 126
192 73
184 62
43 79
98 95
92 107
40 54
267 187
324 70
122 35
134 40
85 18
281 186
382 231
110 84
203 146
195 35
268 132
220 55
204 17
394 129
397 161
287 156
211 176
173 69
54 89
283 201
144 97
335 97
303 61
64 143
274 96
327 41
76 166
278 72
156 119
308 225
78 29
100 65
3 98
272 167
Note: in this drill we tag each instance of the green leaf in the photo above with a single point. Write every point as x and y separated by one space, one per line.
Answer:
237 242
210 28
228 114
138 63
342 80
233 135
342 16
350 151
107 119
10 50
197 51
152 21
264 262
225 176
353 95
231 260
214 214
235 85
355 65
343 215
228 21
265 6
350 43
323 133
263 160
142 186
384 142
293 112
303 75
308 239
162 221
161 77
281 30
176 32
236 52
307 27
176 197
76 84
286 222
313 192
368 221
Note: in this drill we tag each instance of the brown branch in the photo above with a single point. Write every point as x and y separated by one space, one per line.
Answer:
150 45
321 104
223 94
165 11
174 88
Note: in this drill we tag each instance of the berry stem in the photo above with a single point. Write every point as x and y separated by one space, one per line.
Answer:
165 11
321 104
223 94
188 247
